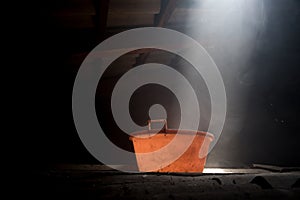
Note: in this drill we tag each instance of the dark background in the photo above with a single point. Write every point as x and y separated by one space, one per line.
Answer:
263 129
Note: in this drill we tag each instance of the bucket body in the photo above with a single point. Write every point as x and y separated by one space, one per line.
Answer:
192 160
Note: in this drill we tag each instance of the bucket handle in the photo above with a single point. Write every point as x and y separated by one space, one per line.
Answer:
164 121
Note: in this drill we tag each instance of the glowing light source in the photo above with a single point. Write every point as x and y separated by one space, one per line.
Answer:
216 171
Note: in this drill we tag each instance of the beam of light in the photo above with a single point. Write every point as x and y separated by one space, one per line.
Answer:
229 30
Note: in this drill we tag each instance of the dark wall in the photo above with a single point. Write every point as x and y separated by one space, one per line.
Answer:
270 129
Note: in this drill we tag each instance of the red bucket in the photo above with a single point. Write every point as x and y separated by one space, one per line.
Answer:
192 160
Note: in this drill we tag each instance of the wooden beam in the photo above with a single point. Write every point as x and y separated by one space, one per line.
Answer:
141 7
113 52
167 9
119 20
101 8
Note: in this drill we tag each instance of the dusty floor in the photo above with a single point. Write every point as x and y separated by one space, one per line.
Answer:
98 182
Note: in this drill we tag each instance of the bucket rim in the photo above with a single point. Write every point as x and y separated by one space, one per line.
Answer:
170 131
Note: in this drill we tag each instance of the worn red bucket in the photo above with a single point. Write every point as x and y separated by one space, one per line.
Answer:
192 160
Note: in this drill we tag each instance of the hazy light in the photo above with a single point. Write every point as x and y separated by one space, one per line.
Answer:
229 30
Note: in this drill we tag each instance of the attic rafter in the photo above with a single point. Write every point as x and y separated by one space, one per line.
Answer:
101 8
167 9
166 12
